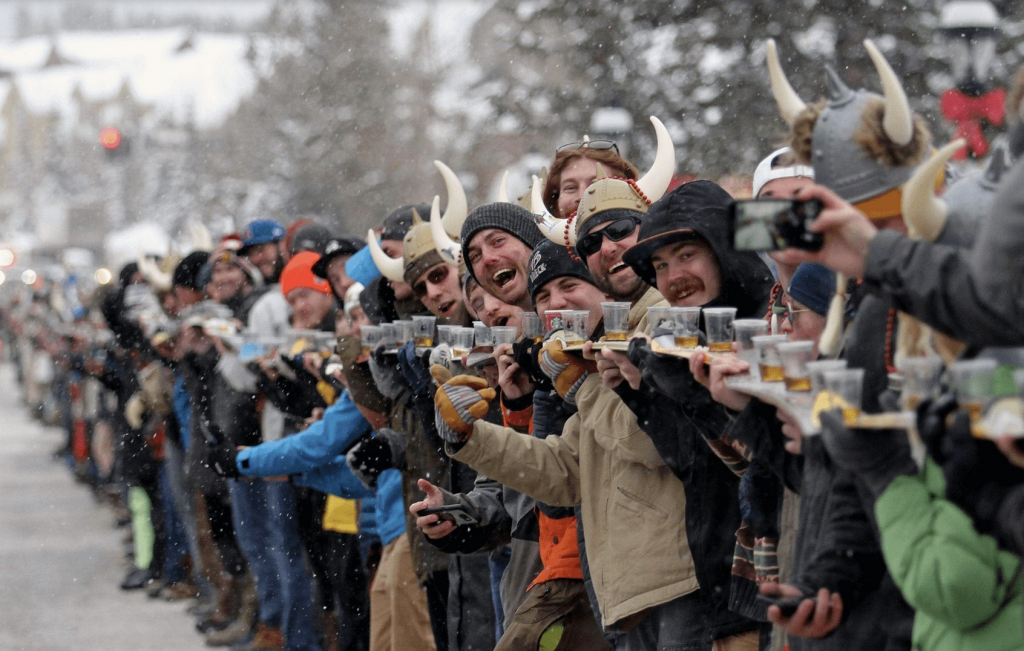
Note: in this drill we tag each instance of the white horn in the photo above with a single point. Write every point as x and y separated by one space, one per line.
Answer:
898 121
656 181
924 212
790 104
832 335
154 276
553 229
390 268
201 240
447 248
457 210
503 189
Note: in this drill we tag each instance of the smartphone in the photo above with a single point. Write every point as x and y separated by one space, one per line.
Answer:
451 512
774 224
787 605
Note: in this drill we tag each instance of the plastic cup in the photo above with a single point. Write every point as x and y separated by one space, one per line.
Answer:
818 370
445 334
462 342
423 330
718 321
745 330
389 334
847 384
769 363
403 332
504 334
660 321
1018 379
577 326
555 319
973 382
795 355
616 320
371 335
921 377
483 334
686 326
533 326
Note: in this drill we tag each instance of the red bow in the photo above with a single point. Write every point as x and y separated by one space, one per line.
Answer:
967 113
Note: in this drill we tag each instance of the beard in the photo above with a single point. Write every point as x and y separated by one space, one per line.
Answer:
624 287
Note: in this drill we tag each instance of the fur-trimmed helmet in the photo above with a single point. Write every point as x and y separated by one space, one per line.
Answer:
862 145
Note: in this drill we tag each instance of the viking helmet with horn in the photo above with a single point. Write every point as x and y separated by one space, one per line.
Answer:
447 227
862 145
608 193
396 225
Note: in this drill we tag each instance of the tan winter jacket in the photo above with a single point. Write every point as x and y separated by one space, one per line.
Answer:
633 507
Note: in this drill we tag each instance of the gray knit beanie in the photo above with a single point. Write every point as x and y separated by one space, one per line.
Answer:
508 217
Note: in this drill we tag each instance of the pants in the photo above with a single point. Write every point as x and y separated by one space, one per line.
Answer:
223 532
561 602
174 530
672 626
263 513
184 502
350 595
147 524
398 606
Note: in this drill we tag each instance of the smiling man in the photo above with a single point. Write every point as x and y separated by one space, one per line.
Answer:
497 240
434 282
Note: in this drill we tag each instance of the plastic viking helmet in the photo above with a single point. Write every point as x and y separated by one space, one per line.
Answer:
447 227
607 193
862 145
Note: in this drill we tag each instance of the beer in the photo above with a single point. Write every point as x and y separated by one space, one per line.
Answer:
615 336
850 416
770 373
459 352
797 383
720 346
424 342
687 341
911 402
367 349
974 409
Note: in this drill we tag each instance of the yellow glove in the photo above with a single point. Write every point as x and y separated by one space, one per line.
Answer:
566 371
458 403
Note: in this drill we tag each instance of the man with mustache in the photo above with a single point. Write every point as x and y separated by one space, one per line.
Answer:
497 240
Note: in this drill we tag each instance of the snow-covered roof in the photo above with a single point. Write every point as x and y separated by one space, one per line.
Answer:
201 84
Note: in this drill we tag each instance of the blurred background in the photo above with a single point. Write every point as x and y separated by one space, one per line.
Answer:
121 121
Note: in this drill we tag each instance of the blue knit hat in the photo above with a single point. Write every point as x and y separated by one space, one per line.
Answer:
360 267
813 285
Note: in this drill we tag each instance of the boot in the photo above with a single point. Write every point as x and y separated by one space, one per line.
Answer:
227 605
267 638
242 626
332 638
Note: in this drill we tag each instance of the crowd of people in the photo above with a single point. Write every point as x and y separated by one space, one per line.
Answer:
537 424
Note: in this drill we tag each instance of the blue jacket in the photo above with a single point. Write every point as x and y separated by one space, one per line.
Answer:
336 478
182 410
318 445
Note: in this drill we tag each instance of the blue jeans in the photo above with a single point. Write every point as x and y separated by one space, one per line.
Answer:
266 529
176 538
499 563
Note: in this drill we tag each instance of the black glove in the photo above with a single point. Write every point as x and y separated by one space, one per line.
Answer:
526 353
876 456
416 370
370 457
668 375
222 459
931 425
387 374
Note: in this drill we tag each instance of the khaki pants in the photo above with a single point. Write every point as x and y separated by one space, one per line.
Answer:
743 642
398 606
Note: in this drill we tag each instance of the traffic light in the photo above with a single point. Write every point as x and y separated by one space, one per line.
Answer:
113 141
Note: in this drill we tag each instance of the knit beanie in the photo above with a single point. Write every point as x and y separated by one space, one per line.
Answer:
508 217
360 267
311 237
299 273
549 261
398 223
813 286
186 274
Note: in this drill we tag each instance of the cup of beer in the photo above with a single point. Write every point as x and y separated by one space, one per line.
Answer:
423 330
848 385
616 320
371 336
746 330
718 321
973 382
533 327
462 341
769 363
818 369
577 325
403 332
920 380
504 334
686 326
482 334
794 356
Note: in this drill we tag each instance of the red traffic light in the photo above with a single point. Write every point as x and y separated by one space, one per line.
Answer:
110 138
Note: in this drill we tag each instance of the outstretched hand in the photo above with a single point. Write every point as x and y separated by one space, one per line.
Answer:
431 525
813 619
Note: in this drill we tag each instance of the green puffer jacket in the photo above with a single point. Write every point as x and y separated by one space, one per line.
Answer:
967 593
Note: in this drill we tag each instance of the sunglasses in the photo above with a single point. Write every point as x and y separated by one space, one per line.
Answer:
436 276
616 231
596 145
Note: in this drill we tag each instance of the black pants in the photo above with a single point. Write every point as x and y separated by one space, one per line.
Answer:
351 593
218 509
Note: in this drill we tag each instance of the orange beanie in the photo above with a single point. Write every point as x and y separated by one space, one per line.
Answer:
299 273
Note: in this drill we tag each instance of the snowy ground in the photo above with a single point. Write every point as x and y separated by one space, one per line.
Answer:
60 556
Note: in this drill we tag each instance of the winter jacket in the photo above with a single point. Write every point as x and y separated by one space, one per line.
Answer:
972 295
632 506
269 318
967 592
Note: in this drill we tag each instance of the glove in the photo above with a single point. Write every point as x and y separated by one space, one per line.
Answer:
669 376
368 458
931 424
222 459
415 371
876 456
526 353
386 374
567 372
459 402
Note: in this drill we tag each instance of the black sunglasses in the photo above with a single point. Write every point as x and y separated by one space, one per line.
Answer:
616 231
596 145
435 277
